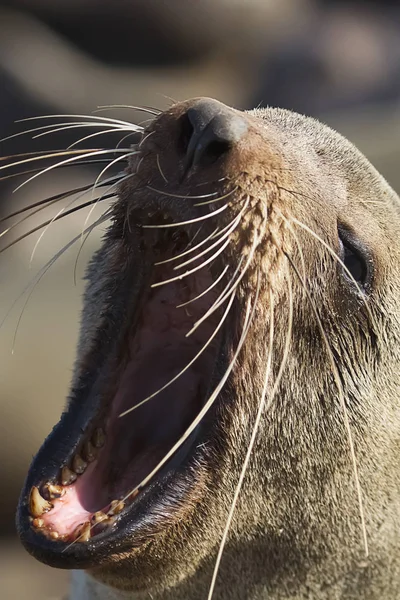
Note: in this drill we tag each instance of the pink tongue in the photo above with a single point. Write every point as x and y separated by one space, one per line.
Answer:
67 513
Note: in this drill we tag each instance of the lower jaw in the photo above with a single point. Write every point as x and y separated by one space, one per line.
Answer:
148 515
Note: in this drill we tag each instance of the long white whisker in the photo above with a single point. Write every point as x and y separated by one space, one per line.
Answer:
57 127
42 272
111 180
221 236
98 133
171 381
112 163
191 271
192 249
206 407
206 290
52 155
217 199
224 295
189 221
64 208
247 457
94 118
68 161
181 196
148 109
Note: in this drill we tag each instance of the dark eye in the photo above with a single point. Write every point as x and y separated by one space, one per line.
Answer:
356 258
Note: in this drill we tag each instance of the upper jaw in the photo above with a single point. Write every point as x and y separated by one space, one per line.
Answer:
140 521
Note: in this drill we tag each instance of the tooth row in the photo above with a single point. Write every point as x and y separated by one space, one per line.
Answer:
82 533
40 504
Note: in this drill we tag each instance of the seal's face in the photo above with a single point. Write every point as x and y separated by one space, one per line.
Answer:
242 317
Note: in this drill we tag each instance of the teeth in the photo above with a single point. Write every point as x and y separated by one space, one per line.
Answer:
54 491
38 523
54 535
116 507
78 464
67 476
37 504
98 517
82 532
98 438
89 452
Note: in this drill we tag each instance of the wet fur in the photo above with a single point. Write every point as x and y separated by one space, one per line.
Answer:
297 531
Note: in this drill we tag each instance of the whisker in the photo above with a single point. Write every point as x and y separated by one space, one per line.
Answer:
232 227
149 109
342 401
112 163
110 127
69 160
107 182
160 169
183 196
125 137
66 214
248 454
103 132
49 201
189 221
81 164
216 199
191 271
41 273
225 293
61 126
206 290
171 381
177 256
94 118
43 155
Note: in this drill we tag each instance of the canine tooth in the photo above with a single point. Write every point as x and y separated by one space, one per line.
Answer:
82 533
98 438
37 504
116 507
38 523
53 491
78 464
54 535
90 452
98 517
67 476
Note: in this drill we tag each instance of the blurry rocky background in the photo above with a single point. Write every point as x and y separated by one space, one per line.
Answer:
339 61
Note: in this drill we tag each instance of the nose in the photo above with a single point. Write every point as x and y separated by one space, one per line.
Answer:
213 129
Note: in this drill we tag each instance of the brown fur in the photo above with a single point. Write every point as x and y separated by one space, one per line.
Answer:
297 532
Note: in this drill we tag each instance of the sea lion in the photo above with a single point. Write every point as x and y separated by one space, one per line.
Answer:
245 302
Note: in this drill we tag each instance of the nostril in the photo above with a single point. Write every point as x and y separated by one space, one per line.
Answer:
186 131
214 150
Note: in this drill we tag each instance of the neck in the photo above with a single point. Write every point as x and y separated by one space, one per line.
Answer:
315 585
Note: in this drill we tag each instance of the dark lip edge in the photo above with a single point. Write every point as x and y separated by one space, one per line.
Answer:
89 554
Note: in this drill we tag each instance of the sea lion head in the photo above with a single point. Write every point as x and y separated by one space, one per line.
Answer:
247 296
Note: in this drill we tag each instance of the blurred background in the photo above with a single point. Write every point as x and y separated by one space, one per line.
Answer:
338 61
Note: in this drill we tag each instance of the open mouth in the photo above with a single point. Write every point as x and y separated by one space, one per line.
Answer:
86 486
